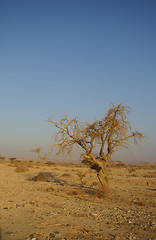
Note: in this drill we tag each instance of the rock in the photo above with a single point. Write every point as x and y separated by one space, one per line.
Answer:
43 176
116 237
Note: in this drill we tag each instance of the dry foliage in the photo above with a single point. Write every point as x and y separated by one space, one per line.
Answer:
98 140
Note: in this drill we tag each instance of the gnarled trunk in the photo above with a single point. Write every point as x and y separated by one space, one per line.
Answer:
100 167
103 174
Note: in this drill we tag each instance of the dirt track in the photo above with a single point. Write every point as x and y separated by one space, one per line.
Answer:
65 207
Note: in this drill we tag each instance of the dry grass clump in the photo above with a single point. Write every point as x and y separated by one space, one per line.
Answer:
139 202
15 163
75 193
80 174
12 159
48 163
21 166
50 189
118 164
66 175
150 175
21 169
56 168
100 192
2 158
131 169
103 191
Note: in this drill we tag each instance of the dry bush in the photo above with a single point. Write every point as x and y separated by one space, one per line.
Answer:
38 151
50 189
14 163
150 175
79 214
66 175
12 159
118 164
131 169
27 163
75 193
56 168
154 205
140 203
48 163
100 192
21 169
83 182
21 164
2 158
79 174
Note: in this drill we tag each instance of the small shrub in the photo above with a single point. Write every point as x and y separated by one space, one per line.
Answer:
140 203
12 159
75 193
131 169
100 192
66 175
50 189
50 163
119 164
20 169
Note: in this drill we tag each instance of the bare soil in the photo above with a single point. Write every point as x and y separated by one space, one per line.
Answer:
52 202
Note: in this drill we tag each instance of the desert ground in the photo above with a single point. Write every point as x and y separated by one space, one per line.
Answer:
53 202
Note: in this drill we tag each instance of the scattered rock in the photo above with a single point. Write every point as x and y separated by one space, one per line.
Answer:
43 176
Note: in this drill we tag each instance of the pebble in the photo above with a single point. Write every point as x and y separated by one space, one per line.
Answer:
116 237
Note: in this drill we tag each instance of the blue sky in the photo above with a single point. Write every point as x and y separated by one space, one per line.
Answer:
75 57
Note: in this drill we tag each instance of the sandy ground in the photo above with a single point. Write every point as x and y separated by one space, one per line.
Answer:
59 205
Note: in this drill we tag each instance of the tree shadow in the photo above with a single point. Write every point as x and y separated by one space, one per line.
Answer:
151 189
48 177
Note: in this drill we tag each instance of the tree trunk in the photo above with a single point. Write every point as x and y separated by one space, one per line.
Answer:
103 176
100 167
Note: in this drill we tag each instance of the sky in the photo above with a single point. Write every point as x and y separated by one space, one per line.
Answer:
75 57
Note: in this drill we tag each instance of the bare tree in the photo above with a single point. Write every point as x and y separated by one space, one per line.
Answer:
38 150
98 140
